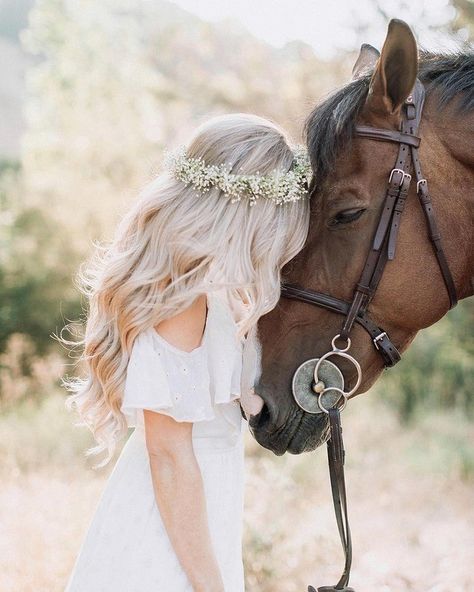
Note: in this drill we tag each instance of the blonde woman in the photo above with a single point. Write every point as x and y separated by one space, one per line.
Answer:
173 305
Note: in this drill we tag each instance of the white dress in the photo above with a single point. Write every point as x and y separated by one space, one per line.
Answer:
126 547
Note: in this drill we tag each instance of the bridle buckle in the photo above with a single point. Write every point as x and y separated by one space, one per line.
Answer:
401 171
404 175
379 338
418 184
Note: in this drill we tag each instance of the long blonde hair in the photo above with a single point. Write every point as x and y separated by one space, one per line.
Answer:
174 244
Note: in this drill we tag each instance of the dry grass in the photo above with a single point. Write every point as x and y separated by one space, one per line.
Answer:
410 495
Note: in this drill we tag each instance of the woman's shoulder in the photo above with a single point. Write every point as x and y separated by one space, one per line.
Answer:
184 331
184 384
221 318
219 347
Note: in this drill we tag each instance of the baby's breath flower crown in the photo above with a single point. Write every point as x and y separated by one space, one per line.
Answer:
280 188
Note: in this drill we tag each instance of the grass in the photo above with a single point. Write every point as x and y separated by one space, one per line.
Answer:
410 495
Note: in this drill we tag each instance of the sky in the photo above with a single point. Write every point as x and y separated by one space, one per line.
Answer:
329 26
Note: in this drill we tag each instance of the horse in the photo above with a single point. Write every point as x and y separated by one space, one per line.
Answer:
348 197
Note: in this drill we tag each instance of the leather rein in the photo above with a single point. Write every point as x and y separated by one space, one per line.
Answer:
382 250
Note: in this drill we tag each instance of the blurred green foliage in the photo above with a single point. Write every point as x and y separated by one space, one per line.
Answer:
36 284
437 371
36 268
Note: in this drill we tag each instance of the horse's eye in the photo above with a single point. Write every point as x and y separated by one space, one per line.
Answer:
346 216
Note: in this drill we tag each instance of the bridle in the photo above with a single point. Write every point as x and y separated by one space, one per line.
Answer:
385 238
382 250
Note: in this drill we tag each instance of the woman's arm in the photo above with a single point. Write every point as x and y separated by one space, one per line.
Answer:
176 474
179 494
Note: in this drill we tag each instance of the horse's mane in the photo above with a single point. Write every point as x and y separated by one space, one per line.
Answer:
330 126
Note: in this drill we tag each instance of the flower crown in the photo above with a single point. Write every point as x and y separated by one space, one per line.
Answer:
280 188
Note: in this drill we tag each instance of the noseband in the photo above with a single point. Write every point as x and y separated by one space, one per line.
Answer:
382 250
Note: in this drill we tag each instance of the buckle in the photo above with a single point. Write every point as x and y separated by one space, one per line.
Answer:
396 171
379 338
404 176
418 183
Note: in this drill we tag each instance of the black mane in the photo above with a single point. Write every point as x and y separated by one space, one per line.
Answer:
330 126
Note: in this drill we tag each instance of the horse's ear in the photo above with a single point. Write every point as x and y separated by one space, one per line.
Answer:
366 61
396 71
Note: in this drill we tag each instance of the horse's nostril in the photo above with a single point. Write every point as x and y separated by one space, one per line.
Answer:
259 420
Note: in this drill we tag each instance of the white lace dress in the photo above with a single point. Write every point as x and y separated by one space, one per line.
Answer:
126 547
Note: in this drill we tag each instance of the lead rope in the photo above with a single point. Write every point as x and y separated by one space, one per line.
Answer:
336 457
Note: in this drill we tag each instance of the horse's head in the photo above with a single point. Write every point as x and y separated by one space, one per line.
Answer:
348 192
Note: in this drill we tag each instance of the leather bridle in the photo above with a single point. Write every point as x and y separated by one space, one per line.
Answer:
385 238
382 250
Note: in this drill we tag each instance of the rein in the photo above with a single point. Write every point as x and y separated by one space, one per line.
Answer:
315 377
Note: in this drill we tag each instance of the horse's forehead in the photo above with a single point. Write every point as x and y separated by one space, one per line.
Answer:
356 169
349 175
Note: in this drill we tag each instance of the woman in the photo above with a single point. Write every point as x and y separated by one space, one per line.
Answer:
170 347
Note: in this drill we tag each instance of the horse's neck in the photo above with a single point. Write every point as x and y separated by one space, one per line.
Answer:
456 131
449 153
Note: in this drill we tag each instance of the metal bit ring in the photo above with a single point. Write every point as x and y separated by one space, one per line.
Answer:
338 390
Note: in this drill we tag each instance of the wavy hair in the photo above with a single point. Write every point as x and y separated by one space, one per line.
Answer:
172 245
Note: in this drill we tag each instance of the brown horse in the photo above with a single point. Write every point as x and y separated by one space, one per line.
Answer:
350 178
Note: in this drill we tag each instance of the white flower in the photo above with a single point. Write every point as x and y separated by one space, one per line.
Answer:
280 188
